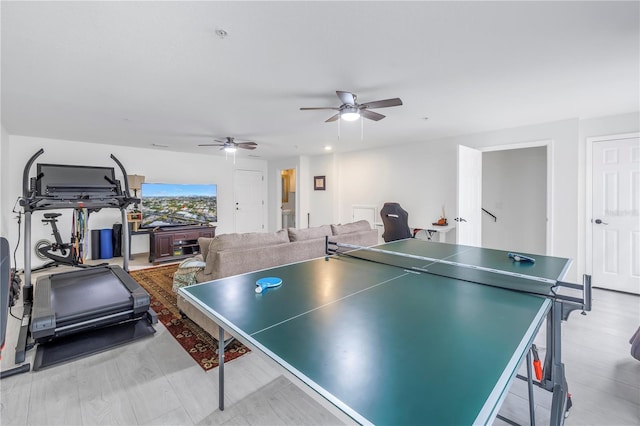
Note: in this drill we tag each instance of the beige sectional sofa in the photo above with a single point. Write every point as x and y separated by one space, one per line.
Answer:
232 254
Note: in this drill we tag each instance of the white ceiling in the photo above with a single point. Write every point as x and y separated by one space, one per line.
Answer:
143 73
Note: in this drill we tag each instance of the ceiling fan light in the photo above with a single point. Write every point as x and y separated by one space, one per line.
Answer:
350 114
230 149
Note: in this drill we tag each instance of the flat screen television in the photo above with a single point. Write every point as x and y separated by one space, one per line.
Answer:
166 204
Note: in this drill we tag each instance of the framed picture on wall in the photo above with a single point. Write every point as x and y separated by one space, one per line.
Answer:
319 183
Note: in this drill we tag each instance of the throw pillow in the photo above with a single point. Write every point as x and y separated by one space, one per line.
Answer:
204 243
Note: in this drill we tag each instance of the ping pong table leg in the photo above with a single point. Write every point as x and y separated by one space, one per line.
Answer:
554 378
221 368
553 356
532 415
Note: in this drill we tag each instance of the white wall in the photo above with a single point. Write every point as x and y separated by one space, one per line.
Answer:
156 165
5 202
313 208
323 205
422 177
514 189
303 176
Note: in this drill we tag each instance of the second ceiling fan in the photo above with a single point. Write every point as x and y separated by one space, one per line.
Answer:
229 144
351 110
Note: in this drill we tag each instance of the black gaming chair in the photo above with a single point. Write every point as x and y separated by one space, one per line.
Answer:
396 222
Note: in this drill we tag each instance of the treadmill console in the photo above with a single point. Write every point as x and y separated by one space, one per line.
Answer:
69 186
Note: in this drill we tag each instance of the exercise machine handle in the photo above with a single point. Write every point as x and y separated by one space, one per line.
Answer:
26 189
124 175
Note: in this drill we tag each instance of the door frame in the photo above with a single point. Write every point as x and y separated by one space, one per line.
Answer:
469 211
589 192
548 143
278 205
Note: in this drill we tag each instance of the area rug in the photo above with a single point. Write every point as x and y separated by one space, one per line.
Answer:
198 343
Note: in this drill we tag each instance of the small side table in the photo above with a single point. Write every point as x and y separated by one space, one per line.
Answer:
433 229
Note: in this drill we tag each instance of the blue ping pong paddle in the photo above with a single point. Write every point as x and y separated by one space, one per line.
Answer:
264 283
521 258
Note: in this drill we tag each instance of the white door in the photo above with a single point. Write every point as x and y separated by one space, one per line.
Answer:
249 200
615 223
469 226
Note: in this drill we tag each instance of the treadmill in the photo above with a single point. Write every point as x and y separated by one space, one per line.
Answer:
77 313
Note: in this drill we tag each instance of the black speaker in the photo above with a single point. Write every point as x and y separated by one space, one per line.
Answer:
117 240
95 244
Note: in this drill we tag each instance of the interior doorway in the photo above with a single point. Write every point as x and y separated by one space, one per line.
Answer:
288 195
486 190
514 199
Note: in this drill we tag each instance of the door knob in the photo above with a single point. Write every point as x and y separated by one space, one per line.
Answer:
459 219
600 222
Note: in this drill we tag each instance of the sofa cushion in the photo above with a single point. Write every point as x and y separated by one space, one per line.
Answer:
247 240
360 238
361 225
309 233
226 263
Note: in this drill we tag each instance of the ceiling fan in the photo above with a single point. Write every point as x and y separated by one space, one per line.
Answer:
351 110
229 144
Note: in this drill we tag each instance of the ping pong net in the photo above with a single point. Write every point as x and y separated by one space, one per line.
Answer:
448 267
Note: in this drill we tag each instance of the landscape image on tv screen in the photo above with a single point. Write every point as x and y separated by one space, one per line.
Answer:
166 204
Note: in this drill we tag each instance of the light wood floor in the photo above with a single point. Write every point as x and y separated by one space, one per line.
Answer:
154 381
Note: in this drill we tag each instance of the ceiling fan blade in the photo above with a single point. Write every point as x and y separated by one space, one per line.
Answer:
211 144
346 97
371 115
315 108
383 104
247 145
334 118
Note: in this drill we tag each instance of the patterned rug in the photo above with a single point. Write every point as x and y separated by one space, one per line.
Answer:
199 344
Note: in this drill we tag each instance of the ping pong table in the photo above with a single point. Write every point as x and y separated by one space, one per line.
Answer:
435 335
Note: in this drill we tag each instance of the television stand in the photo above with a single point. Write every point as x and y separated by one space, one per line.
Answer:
176 242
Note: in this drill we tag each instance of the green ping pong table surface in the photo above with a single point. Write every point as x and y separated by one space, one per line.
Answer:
388 344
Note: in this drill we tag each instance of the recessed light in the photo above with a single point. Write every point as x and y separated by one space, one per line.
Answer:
328 148
221 33
425 118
